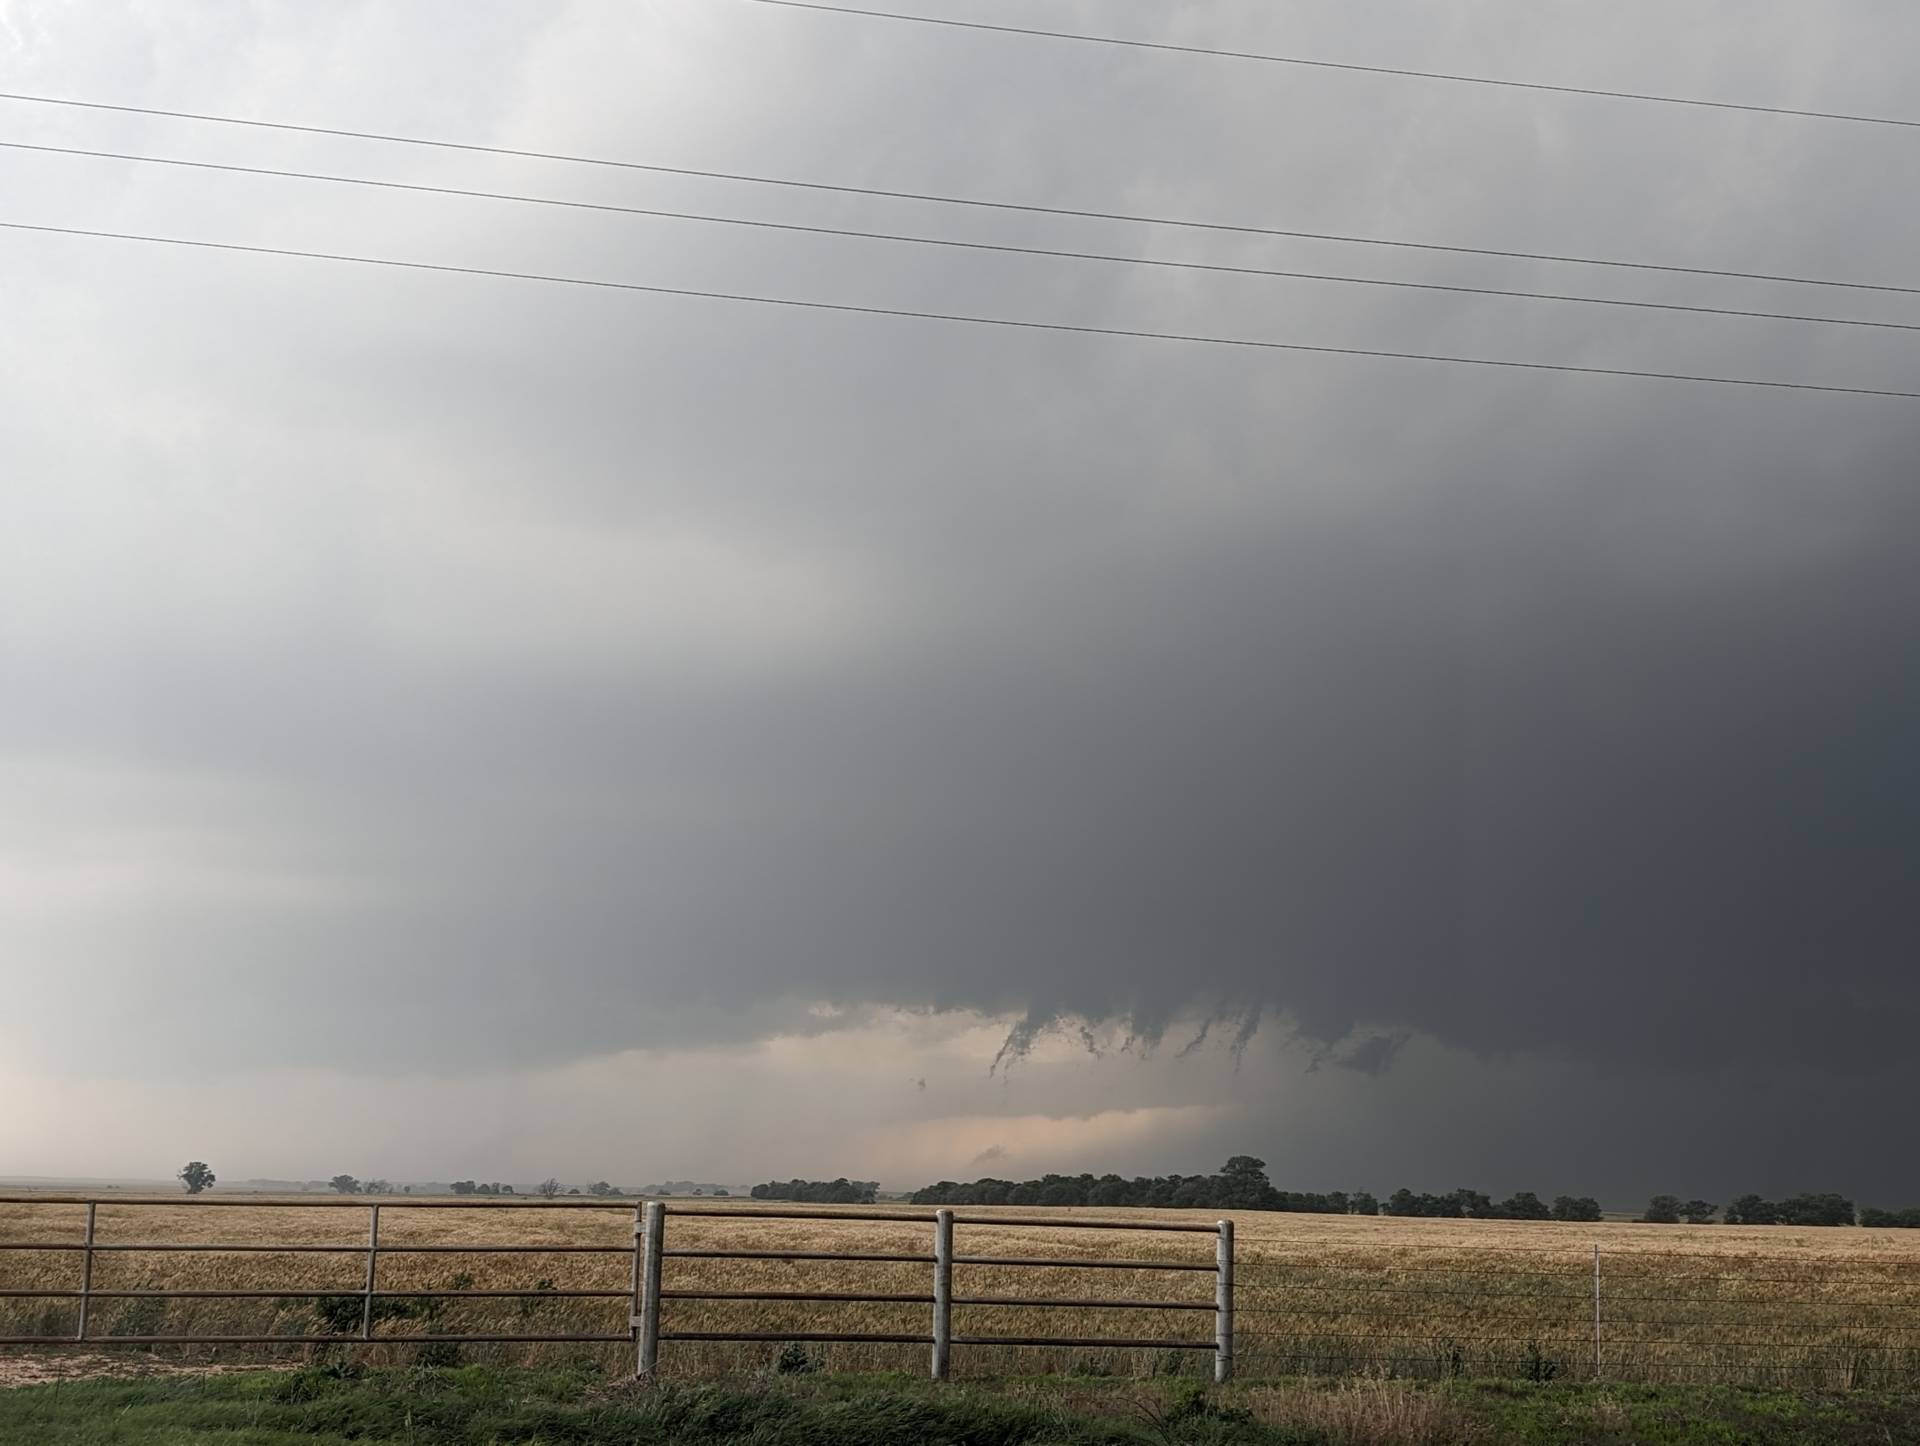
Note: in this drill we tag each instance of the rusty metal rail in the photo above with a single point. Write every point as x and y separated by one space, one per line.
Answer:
645 1293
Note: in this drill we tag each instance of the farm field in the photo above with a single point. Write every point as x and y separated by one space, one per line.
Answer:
1814 1309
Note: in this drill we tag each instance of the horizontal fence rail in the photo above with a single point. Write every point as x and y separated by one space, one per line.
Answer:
646 1294
1314 1300
941 1337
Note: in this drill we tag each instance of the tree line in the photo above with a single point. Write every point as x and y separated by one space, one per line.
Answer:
1820 1209
1474 1205
820 1192
1242 1184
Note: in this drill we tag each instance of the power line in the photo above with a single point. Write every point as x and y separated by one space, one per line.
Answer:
953 243
1300 60
1132 218
968 319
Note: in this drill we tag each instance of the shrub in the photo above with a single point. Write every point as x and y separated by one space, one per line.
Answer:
796 1360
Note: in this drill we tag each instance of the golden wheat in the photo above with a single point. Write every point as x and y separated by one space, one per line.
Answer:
1315 1294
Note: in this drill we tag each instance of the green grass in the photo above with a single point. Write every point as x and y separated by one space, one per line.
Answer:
478 1406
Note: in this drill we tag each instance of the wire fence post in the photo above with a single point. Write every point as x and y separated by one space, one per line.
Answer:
1596 1312
942 1292
656 1228
86 1276
373 1259
634 1303
1223 1305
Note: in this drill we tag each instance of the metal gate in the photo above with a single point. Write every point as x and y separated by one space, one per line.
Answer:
650 1247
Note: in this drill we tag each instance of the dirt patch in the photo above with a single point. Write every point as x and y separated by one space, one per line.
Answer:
41 1368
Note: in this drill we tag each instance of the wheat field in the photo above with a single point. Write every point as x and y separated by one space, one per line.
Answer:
1315 1295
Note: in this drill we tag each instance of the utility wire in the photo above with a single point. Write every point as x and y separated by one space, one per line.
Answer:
949 242
1300 60
947 200
796 303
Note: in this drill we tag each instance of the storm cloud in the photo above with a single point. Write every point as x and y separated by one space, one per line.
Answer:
412 675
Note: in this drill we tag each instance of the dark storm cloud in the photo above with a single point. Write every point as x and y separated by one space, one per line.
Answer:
568 675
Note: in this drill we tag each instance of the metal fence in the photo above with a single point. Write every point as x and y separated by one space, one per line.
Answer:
90 1248
1317 1297
645 1293
941 1298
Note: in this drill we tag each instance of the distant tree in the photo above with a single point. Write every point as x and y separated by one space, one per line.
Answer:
1576 1208
574 1191
345 1185
1752 1210
376 1187
1908 1219
196 1176
1441 1207
1361 1203
548 1187
1662 1210
1057 1193
1826 1209
833 1192
1240 1184
1475 1206
722 1190
1525 1206
1698 1212
463 1187
602 1189
503 1189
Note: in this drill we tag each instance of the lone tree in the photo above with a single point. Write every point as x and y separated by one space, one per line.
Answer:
345 1185
1663 1210
549 1187
196 1176
1698 1212
602 1189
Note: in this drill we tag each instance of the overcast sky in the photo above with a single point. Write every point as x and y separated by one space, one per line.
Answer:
457 726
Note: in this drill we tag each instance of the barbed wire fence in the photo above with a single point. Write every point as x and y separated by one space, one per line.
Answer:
1592 1313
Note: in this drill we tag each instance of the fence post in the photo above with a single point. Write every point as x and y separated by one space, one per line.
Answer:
86 1276
1596 1312
633 1284
373 1257
656 1228
1223 1305
942 1292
